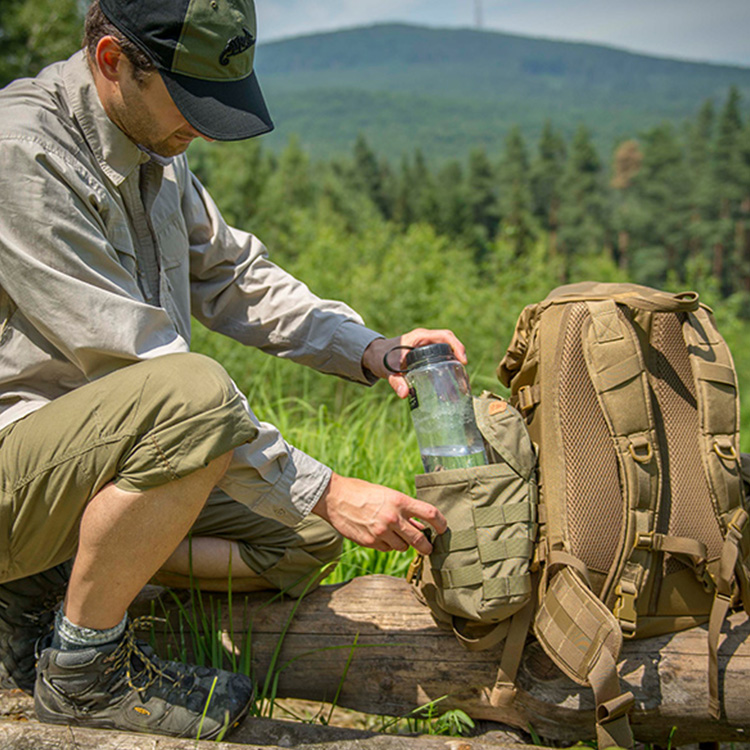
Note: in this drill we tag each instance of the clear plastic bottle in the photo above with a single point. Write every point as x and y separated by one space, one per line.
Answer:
442 409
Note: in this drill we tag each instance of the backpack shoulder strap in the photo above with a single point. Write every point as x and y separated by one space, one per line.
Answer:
618 373
718 412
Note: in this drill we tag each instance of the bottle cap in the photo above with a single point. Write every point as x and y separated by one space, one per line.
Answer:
428 355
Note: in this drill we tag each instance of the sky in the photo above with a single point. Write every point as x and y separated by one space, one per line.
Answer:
704 30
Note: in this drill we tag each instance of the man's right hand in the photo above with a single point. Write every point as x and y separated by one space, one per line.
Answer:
375 516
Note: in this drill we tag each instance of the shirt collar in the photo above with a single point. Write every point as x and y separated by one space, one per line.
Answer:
117 155
162 161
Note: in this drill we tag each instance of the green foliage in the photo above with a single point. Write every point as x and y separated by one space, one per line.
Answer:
36 34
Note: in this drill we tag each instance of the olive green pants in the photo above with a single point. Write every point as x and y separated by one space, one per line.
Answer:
139 427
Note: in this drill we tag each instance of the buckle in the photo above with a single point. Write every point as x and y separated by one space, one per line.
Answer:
705 579
624 610
739 521
644 541
525 398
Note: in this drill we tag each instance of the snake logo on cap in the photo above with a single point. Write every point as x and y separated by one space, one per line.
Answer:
236 46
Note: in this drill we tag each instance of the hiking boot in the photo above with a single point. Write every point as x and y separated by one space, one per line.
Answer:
124 685
27 615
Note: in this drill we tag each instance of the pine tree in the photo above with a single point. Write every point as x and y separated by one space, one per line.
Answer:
546 175
403 202
743 223
582 203
515 194
700 179
482 199
661 234
425 199
369 176
453 217
627 162
728 185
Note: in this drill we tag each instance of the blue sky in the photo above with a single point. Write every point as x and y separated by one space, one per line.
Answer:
710 30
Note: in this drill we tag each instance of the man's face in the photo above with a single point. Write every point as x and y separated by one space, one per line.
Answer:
145 112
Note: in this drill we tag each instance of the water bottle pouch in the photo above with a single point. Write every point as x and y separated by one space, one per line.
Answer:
479 569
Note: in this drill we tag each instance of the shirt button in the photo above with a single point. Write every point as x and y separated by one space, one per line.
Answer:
280 512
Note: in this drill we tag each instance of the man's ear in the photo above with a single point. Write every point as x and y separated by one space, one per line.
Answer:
109 58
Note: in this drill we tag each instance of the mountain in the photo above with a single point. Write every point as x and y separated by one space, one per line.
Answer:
448 90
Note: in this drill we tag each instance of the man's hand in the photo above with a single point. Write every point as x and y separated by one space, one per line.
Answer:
372 359
376 516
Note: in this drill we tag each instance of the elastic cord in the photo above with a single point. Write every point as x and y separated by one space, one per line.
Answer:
388 354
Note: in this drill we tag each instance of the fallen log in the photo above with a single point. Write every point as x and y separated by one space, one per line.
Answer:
19 730
374 648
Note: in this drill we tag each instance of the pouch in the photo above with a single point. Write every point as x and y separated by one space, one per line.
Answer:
479 572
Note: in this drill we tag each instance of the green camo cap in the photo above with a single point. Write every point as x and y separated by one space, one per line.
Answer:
204 51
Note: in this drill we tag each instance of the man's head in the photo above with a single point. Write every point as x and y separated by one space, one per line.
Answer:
177 69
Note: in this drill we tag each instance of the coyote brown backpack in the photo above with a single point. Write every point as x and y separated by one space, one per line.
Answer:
630 396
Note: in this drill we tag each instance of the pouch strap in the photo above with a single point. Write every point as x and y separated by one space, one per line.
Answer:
504 690
472 575
483 642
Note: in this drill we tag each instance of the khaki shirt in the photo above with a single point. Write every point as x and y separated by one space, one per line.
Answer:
105 252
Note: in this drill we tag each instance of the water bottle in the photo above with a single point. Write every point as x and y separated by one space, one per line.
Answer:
442 409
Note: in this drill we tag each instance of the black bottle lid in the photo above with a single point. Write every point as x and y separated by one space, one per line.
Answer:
429 355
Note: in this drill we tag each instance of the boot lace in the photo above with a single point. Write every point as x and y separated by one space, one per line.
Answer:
149 671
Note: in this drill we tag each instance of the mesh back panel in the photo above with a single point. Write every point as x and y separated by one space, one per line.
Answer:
686 505
592 483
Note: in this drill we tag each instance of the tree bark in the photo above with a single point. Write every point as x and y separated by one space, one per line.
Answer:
373 644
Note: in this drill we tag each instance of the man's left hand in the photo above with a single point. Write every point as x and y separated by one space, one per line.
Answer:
375 353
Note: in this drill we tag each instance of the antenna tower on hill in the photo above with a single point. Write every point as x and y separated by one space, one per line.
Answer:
478 15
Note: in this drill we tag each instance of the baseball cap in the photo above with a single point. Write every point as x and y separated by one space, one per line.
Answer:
204 51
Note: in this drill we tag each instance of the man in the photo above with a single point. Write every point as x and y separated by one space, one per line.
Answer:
113 435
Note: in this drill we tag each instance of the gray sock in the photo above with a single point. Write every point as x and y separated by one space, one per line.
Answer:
71 637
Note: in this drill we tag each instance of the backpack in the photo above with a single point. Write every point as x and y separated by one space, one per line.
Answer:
630 396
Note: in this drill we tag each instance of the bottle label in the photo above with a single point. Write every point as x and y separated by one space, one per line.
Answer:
413 400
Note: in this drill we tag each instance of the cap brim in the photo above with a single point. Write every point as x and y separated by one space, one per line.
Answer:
222 110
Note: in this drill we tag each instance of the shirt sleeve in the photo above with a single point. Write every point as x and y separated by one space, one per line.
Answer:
238 291
276 479
61 271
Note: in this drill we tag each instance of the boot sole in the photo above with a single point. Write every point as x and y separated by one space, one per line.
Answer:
46 716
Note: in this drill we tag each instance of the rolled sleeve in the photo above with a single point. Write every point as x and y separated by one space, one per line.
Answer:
274 478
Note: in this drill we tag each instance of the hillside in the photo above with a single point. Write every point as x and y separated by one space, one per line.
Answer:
449 90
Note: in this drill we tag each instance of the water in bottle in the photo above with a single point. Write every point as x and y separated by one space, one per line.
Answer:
442 409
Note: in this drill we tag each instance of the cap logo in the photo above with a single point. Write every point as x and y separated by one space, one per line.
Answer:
236 46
